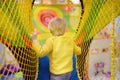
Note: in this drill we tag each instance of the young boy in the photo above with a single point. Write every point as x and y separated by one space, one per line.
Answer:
59 48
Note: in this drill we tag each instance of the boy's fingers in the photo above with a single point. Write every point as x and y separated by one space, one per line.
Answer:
33 34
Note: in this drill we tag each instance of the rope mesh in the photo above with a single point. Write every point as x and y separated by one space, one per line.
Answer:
97 14
15 28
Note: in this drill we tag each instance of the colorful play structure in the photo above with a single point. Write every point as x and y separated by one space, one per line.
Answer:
94 25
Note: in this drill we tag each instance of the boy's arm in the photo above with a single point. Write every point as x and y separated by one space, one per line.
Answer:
42 50
36 47
77 50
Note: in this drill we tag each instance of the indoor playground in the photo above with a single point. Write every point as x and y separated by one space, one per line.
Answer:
93 24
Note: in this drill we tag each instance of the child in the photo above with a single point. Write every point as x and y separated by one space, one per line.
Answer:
59 48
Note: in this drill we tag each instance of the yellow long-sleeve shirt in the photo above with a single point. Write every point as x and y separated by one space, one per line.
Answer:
60 50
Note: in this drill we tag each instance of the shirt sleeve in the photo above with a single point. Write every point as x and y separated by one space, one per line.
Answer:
42 50
77 50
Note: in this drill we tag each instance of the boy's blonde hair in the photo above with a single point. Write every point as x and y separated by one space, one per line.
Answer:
57 26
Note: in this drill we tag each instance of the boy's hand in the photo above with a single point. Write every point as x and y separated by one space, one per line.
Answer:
33 35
